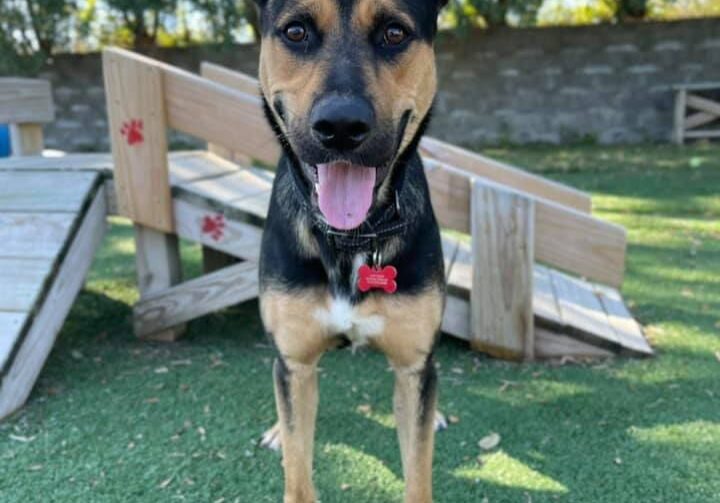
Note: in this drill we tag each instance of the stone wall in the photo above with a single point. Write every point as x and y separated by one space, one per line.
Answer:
609 84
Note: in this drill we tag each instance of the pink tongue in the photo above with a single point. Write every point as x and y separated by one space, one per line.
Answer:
345 193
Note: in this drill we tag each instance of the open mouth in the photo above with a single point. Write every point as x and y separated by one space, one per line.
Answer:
345 193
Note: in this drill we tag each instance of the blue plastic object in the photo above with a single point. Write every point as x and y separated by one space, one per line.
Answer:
4 141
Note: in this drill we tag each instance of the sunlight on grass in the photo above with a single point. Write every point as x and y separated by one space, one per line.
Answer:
355 467
501 469
699 435
519 395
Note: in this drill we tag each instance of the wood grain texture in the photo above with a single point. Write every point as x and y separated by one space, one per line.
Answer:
235 238
501 298
23 280
564 238
188 167
135 95
628 331
69 162
26 139
25 101
34 235
22 191
505 174
11 326
679 114
195 298
158 265
37 343
581 309
551 344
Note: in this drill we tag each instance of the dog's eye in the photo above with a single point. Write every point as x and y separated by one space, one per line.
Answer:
394 35
296 32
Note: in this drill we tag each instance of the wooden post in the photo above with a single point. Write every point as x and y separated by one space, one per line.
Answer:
157 257
680 106
138 130
26 139
502 283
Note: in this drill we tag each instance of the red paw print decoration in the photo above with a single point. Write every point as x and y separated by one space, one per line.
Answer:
214 226
132 131
372 278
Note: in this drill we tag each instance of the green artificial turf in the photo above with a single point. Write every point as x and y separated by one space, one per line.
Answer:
114 419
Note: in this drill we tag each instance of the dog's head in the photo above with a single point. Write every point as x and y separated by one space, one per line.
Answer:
348 84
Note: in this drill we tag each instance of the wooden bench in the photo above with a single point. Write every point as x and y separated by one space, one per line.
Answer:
697 111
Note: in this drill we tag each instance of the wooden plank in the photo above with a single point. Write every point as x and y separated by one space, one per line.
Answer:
456 318
26 139
44 191
196 298
210 228
564 238
37 343
699 119
705 133
233 187
189 167
703 104
545 304
450 248
157 260
34 235
581 310
549 344
138 130
11 326
24 279
25 101
697 86
69 162
505 174
679 114
501 298
230 78
627 330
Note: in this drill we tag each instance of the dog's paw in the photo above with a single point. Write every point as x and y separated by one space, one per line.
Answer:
271 438
440 421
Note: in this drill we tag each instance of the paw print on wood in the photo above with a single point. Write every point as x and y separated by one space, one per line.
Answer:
214 226
375 278
132 131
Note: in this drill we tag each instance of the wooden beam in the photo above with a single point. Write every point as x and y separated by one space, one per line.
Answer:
37 343
699 119
505 174
195 298
703 104
26 139
240 82
679 123
138 130
564 238
157 257
25 101
502 290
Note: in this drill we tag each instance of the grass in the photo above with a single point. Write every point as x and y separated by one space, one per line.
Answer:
114 419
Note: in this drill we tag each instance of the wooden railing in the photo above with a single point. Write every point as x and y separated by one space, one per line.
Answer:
25 104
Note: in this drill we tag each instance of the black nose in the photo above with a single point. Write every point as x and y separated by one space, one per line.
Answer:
342 122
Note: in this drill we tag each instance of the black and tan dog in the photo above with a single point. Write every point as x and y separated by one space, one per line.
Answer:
351 250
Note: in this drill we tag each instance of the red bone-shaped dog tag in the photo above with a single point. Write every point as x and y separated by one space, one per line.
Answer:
375 278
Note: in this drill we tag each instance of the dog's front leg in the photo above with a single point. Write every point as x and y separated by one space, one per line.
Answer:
414 405
296 396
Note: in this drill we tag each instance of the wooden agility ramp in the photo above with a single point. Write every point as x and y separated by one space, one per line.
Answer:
51 223
531 273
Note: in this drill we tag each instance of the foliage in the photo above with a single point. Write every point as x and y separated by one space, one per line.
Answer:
576 12
682 9
142 19
49 21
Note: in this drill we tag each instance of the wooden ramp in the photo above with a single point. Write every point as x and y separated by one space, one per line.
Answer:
51 223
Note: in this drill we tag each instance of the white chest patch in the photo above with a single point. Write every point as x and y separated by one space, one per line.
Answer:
342 318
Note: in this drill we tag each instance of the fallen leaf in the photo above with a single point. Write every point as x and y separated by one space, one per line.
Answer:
165 482
153 399
19 438
489 442
34 468
161 370
457 370
364 409
76 354
345 487
618 461
453 419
